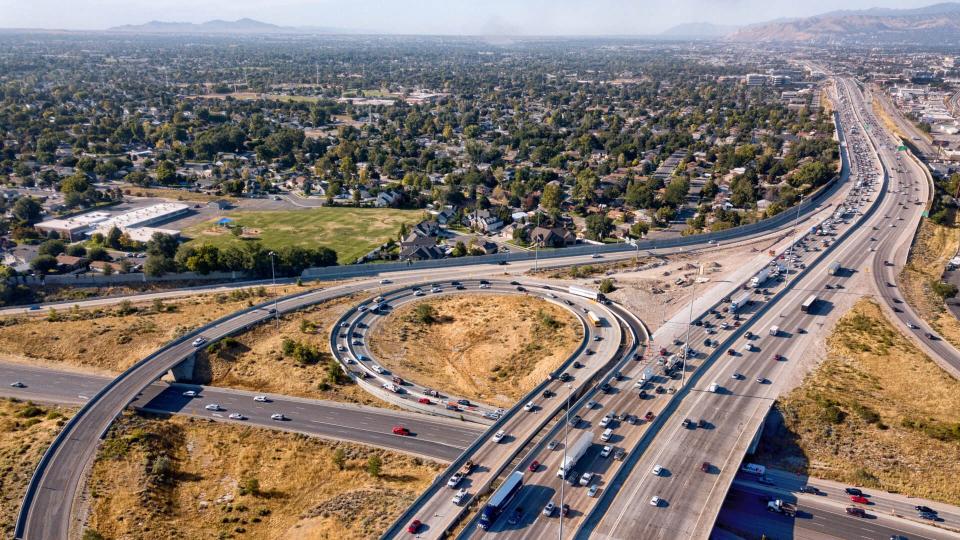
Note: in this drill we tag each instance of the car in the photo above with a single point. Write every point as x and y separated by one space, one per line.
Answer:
591 404
597 338
464 402
199 341
588 352
564 377
605 420
649 416
261 399
605 388
190 393
459 496
859 499
565 510
454 480
552 445
592 492
762 380
548 509
534 465
714 387
705 466
777 357
927 515
498 436
736 375
853 491
922 508
236 416
414 526
702 423
484 285
213 407
913 326
548 393
620 454
514 283
931 336
657 470
809 489
655 501
575 420
400 430
855 511
18 384
606 451
529 406
687 423
585 478
731 352
277 416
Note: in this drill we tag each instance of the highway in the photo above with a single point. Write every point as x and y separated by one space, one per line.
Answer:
690 498
434 438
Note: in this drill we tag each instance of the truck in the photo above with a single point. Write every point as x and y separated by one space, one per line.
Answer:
834 268
753 468
808 303
576 451
760 278
586 293
594 320
740 301
467 468
782 507
774 330
500 499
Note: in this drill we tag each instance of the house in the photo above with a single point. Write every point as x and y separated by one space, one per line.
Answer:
101 267
444 217
484 220
424 229
554 237
387 198
486 246
419 248
66 263
220 205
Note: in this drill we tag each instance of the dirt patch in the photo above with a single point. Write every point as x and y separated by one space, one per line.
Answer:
26 430
187 478
112 339
258 360
493 348
877 412
932 247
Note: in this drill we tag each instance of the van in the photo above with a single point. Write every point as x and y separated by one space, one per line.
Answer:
607 433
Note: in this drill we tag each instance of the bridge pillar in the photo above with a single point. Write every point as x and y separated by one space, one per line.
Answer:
183 372
752 449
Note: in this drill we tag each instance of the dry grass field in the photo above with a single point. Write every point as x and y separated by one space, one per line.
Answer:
186 478
933 246
877 412
492 348
26 431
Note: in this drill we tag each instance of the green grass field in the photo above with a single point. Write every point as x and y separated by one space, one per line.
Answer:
351 232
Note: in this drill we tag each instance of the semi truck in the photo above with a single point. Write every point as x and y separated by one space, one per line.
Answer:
834 268
594 320
586 293
740 301
808 303
576 451
760 278
500 499
782 507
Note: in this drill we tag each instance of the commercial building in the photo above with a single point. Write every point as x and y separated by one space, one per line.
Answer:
136 223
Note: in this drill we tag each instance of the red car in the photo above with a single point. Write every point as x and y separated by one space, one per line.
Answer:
414 526
649 416
534 465
777 357
859 499
705 466
425 401
400 430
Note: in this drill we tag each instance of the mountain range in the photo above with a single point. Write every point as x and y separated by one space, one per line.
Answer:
239 26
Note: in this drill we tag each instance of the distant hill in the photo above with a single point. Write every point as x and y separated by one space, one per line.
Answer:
935 24
239 26
699 30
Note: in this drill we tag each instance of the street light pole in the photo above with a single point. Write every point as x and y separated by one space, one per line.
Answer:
273 274
686 344
566 431
796 225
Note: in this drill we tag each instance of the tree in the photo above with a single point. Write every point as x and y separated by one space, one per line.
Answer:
459 250
598 226
27 210
113 237
43 264
51 247
606 286
374 466
425 314
166 172
340 459
639 229
250 486
551 197
586 184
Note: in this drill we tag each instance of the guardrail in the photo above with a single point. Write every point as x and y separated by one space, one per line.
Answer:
441 479
593 518
57 442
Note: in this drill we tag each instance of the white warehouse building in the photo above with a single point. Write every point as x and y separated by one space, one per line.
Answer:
136 223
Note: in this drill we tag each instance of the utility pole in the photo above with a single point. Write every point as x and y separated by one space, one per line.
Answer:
273 273
566 431
686 344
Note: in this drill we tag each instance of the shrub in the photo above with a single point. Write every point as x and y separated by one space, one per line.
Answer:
425 314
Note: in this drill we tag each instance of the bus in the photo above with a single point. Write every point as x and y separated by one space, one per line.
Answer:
808 303
500 499
593 318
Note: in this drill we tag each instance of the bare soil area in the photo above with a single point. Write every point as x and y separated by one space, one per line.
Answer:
188 478
933 246
877 412
26 430
492 348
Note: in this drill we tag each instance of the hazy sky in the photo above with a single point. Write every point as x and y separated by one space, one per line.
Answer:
429 16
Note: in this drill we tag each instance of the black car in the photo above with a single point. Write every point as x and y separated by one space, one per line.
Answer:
605 387
575 421
856 492
548 393
809 489
514 282
927 509
464 402
565 377
577 365
643 394
687 423
520 288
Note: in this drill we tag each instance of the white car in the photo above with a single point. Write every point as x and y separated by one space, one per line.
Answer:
657 470
748 346
484 285
552 445
455 480
277 416
714 388
460 496
605 420
199 341
436 290
529 406
548 509
498 436
18 384
341 348
592 492
344 324
237 416
606 451
190 393
585 478
260 399
419 293
655 501
377 368
213 407
385 281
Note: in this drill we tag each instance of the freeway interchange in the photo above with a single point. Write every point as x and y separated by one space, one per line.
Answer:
733 368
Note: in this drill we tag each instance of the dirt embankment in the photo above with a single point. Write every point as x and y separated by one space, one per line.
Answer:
933 246
492 348
877 412
26 430
187 478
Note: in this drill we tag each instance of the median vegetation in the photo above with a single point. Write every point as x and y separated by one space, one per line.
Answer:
877 413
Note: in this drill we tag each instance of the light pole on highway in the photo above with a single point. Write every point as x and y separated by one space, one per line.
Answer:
686 343
566 430
796 225
273 274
